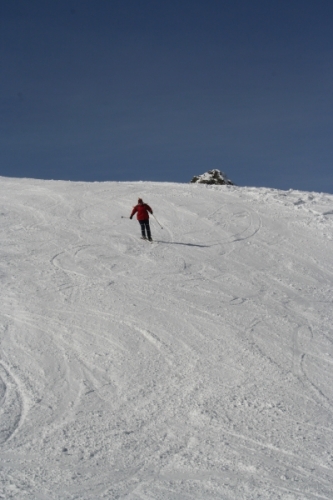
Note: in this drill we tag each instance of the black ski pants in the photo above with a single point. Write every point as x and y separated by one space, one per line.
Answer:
145 227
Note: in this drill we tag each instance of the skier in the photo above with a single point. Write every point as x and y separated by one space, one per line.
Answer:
142 209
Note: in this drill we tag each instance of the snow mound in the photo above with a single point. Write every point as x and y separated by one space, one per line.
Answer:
212 177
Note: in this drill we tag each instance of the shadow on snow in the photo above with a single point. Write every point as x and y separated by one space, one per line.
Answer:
185 244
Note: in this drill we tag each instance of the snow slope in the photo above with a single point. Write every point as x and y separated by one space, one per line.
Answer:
196 367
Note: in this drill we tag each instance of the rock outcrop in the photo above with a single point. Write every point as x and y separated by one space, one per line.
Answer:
212 177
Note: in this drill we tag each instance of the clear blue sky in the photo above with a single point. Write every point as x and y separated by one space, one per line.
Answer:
163 90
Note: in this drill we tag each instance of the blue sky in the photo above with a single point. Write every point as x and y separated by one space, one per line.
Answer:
160 90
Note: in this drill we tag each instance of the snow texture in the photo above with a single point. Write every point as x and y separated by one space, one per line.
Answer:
196 367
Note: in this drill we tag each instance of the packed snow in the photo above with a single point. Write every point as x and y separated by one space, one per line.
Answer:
199 366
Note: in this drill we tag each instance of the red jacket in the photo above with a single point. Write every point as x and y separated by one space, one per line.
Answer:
142 211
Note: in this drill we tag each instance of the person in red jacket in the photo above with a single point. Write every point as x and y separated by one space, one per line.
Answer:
142 210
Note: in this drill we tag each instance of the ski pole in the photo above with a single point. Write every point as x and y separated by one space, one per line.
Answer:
157 221
123 217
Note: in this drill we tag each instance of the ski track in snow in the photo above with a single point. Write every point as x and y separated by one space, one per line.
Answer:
195 367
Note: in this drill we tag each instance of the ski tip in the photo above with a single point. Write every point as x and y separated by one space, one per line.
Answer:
146 239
